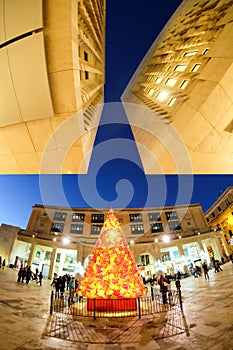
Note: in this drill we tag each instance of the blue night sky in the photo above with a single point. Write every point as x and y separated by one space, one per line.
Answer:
115 177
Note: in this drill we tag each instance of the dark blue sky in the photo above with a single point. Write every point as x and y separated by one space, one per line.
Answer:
115 169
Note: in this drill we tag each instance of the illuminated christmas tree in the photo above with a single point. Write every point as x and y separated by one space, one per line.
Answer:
111 272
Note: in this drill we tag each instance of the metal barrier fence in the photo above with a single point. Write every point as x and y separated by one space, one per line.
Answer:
152 303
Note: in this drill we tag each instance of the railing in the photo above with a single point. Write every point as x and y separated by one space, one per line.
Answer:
154 302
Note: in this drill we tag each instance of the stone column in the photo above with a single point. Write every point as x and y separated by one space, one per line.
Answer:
52 261
225 244
180 249
31 254
157 251
200 244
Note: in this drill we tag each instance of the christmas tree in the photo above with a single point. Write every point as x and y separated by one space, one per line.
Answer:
111 272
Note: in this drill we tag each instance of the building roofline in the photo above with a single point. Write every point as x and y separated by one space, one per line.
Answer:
115 209
228 189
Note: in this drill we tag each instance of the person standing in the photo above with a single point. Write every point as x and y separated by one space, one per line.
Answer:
163 288
205 270
4 264
28 274
20 273
71 288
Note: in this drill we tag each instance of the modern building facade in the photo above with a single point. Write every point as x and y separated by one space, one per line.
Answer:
60 240
220 214
185 82
52 67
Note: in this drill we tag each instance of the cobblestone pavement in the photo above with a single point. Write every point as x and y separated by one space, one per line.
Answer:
206 322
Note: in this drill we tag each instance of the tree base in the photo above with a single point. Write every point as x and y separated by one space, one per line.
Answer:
111 305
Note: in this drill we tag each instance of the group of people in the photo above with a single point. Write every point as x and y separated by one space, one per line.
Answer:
164 282
205 268
65 283
26 274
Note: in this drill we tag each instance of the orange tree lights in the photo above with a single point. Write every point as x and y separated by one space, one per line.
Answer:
111 272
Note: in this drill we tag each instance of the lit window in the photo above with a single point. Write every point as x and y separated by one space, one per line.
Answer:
196 67
158 80
151 91
171 81
171 101
162 95
190 53
135 217
180 67
184 84
137 229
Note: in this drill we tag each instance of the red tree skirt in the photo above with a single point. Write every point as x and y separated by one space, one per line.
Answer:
111 305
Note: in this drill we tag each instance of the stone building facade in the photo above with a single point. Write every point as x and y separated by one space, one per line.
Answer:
184 85
220 214
52 67
60 240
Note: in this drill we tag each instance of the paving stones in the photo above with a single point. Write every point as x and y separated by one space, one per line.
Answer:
205 324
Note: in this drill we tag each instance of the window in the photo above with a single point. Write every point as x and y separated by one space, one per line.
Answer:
76 228
60 216
195 67
78 217
137 229
135 217
97 218
190 53
96 229
57 227
171 81
180 67
171 215
171 101
165 256
145 259
174 225
48 255
184 84
86 75
158 80
213 215
227 202
156 227
58 257
162 95
205 51
154 216
151 91
85 56
219 209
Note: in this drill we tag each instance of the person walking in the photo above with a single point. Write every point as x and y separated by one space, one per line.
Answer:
205 270
40 277
218 266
